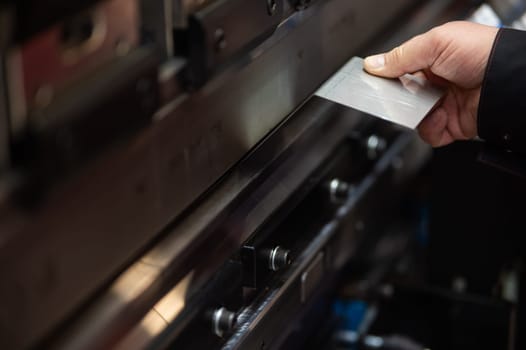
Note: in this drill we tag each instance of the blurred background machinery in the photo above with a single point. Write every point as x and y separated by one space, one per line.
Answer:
167 181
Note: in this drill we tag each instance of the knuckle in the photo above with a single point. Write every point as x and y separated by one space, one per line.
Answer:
435 36
441 35
395 56
435 42
446 28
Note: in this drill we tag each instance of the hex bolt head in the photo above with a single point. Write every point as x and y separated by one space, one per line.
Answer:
278 258
223 321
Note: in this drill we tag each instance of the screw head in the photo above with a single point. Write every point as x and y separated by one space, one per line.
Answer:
223 321
272 5
339 190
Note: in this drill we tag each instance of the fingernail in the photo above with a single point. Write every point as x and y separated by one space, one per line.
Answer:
376 61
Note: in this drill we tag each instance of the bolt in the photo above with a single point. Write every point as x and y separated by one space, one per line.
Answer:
223 321
221 43
339 190
271 7
278 258
375 145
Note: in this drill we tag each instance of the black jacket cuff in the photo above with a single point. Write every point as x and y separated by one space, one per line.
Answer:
502 107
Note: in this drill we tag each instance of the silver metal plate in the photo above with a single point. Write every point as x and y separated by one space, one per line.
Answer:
405 101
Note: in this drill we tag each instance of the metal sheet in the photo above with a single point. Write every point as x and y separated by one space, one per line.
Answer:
405 101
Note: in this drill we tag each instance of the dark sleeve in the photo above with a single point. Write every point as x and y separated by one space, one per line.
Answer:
502 106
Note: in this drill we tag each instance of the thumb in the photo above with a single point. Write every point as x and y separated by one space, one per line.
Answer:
412 56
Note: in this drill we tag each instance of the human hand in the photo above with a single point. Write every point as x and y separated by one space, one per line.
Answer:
454 56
